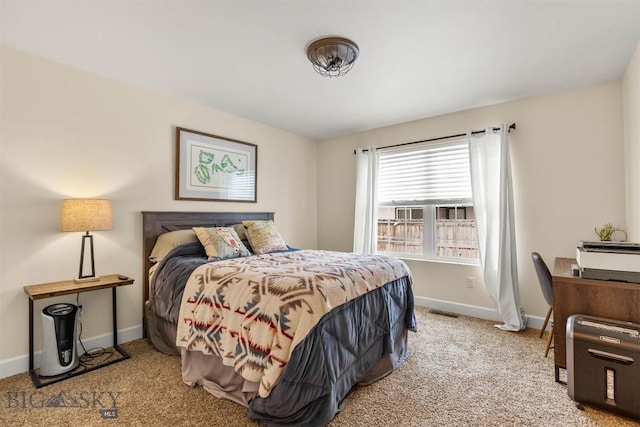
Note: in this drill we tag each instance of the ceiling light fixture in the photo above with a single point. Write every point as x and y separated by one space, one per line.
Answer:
332 56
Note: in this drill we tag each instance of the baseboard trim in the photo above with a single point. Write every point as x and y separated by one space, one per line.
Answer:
534 322
20 364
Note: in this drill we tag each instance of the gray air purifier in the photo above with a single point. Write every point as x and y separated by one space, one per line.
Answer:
59 353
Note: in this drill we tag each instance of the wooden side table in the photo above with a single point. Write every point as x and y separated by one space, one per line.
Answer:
67 287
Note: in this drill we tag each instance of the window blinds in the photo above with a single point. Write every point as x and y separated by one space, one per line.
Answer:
425 174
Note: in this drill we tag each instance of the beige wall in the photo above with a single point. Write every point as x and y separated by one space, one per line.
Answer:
631 97
67 133
567 158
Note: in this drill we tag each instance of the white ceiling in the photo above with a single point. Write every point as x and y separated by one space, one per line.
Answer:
417 58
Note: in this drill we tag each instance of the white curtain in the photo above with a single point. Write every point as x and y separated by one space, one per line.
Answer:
365 230
493 205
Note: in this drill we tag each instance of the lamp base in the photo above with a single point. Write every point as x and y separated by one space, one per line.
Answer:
86 279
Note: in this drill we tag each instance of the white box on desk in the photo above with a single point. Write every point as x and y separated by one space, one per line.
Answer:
608 260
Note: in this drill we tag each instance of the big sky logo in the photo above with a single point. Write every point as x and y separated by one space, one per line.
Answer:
105 401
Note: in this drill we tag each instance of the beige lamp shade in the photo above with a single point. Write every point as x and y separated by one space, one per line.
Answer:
86 215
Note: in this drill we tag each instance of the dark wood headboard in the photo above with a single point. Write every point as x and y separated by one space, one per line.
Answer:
156 223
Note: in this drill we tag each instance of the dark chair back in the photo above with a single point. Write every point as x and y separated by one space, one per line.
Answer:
544 277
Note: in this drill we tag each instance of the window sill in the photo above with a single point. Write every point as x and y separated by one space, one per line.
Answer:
471 263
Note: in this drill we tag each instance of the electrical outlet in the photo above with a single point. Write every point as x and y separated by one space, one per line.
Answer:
471 282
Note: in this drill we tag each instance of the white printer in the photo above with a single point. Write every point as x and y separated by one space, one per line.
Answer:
619 261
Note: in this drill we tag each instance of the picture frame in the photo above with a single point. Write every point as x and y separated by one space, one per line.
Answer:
215 168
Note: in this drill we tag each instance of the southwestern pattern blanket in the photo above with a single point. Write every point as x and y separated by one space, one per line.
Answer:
253 311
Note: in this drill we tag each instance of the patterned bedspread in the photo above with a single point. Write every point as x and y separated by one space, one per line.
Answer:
253 311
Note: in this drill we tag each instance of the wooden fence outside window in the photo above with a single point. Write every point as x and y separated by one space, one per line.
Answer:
455 238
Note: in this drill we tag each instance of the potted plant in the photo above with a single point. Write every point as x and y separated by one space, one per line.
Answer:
605 233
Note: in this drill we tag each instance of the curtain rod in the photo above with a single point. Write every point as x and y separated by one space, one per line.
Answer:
474 132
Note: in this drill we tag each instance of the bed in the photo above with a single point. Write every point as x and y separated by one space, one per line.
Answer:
304 335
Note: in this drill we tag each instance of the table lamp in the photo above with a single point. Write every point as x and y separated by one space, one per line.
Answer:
86 215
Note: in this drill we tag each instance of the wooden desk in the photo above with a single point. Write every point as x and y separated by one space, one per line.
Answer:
601 298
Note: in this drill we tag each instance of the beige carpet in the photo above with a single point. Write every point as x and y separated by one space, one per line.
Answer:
461 372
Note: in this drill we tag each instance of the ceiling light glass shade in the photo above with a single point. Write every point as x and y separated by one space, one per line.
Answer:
332 56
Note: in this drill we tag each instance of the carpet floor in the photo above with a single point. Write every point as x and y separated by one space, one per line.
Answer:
461 372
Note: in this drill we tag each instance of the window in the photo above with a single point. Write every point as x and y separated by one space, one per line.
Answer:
401 230
425 208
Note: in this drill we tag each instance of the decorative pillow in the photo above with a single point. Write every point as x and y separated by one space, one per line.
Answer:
241 231
168 241
264 237
221 242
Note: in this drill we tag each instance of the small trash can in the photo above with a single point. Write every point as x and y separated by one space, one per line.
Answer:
603 363
59 353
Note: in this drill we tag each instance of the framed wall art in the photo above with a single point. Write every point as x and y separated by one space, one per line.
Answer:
210 167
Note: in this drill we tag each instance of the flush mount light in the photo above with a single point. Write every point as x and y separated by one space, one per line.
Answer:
332 56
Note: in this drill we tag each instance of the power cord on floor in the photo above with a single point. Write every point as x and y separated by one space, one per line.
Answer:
96 355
